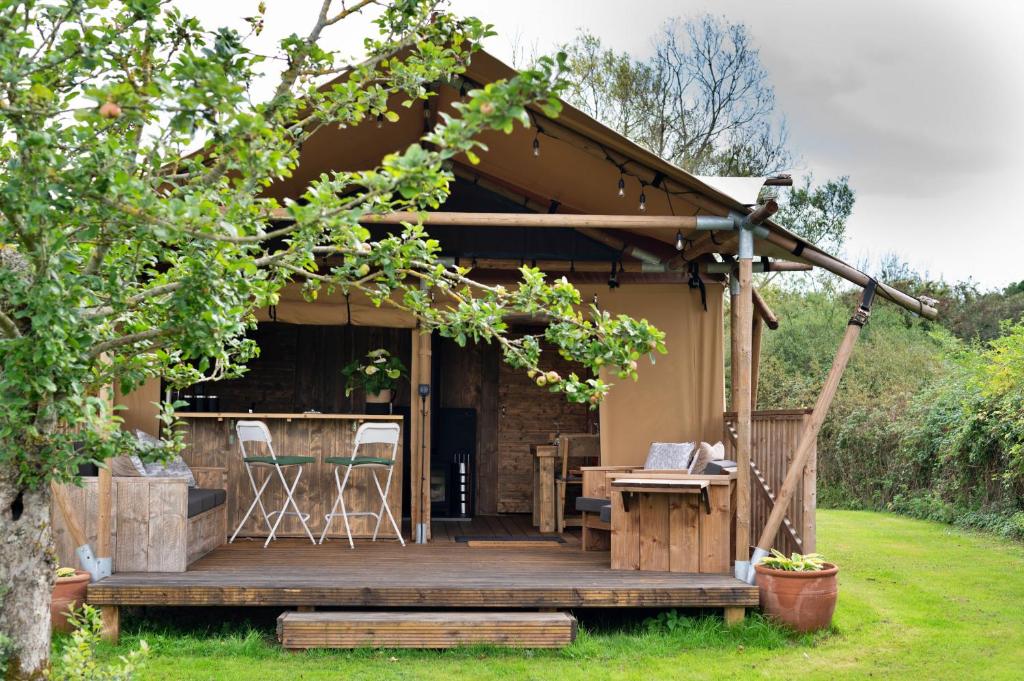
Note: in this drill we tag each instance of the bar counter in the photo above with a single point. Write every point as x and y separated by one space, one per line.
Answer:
211 441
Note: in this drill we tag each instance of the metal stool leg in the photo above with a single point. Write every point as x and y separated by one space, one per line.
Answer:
384 506
258 492
289 491
340 501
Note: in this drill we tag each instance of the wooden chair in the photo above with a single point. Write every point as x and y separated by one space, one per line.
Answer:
575 450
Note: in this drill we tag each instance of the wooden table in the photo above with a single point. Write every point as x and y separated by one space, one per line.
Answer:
675 524
544 512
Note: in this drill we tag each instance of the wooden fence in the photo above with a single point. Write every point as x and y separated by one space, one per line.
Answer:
774 438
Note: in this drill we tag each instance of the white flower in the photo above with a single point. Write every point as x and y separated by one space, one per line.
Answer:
377 353
370 370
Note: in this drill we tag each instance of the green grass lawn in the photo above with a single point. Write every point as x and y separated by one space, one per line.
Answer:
917 600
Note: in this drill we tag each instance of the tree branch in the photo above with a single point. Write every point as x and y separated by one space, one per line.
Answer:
8 327
114 343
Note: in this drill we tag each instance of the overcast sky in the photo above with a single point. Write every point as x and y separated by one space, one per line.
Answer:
920 102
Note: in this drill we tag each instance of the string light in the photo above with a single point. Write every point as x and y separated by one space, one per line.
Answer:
536 145
643 200
680 243
380 120
622 185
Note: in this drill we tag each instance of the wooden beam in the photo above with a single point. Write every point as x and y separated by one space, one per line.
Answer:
809 436
852 275
535 220
764 312
743 406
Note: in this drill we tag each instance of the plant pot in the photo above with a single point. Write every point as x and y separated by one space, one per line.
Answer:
804 601
67 591
383 397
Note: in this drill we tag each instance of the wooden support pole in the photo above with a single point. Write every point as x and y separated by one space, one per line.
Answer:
764 312
755 359
415 424
743 406
71 521
809 435
110 623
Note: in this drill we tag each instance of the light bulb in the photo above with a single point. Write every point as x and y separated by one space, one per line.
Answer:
679 241
380 120
622 186
536 147
643 201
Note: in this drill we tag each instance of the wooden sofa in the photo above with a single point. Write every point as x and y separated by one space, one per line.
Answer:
157 524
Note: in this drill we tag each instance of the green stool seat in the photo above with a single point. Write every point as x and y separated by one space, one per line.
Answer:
359 460
281 460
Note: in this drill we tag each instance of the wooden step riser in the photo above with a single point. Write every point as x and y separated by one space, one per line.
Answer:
425 629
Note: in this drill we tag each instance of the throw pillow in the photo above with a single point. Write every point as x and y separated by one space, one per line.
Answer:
175 467
666 456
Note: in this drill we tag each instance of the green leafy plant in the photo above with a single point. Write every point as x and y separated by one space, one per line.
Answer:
78 661
375 373
62 572
810 562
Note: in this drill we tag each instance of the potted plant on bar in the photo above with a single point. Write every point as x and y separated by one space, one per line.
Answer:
377 374
68 591
799 591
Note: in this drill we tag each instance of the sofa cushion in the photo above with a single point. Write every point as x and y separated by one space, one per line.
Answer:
590 504
606 513
202 500
669 456
174 467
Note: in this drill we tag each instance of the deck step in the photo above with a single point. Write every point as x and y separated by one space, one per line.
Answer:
427 629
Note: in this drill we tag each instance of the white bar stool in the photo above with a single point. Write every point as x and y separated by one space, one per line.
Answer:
257 431
368 433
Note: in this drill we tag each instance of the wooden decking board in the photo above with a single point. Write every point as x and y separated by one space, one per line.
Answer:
425 629
437 575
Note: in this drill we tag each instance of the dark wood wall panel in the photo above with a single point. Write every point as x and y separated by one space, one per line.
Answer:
299 368
528 415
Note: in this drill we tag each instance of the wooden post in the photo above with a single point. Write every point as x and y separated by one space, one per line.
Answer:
755 359
110 621
415 424
741 385
809 436
103 504
426 369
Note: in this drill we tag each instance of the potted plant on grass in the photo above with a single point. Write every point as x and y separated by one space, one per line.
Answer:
68 591
798 591
376 374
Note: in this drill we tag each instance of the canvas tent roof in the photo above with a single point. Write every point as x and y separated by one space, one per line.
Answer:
578 170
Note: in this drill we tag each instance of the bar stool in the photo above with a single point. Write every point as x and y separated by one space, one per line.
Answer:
368 434
257 431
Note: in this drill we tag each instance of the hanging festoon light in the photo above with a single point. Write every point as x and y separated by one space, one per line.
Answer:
380 120
536 144
680 242
643 199
622 185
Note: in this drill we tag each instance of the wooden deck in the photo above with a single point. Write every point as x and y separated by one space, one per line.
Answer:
442 574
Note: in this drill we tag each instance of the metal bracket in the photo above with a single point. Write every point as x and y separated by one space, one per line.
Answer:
98 568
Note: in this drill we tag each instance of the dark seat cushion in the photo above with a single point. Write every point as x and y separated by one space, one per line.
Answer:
590 504
606 513
202 500
359 460
719 467
280 460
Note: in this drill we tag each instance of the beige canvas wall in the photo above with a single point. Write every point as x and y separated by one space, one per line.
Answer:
680 397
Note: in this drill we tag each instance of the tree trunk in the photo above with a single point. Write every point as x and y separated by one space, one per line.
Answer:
27 566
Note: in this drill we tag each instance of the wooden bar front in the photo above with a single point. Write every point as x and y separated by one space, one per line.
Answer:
211 441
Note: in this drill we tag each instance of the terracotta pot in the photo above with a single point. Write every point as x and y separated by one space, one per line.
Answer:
383 397
804 601
67 590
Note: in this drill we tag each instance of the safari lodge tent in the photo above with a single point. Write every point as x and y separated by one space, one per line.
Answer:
489 466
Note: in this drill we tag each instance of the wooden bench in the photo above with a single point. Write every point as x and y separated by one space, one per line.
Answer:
423 629
152 528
